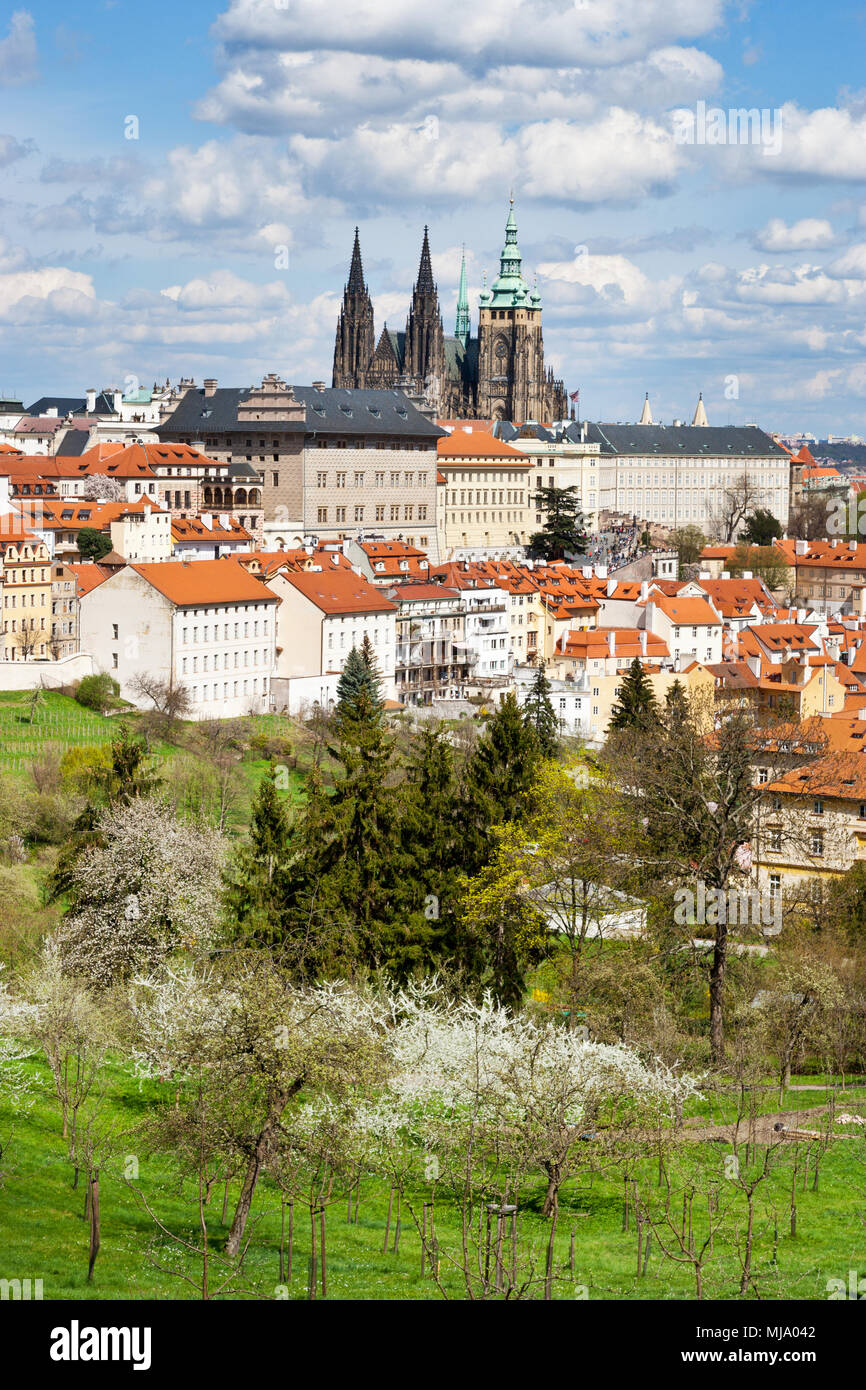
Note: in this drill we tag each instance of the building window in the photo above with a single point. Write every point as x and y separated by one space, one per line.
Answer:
817 843
817 807
322 514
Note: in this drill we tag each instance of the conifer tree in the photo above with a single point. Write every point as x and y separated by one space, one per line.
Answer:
257 885
538 714
360 673
498 776
432 842
636 707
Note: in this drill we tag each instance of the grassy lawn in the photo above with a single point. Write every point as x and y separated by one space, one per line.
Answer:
45 1235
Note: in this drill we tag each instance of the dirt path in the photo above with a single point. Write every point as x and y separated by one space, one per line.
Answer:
760 1131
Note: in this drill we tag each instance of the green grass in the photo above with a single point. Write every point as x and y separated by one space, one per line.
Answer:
45 1236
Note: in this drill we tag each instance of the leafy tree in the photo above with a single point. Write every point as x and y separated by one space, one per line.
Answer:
92 544
538 714
636 707
121 779
564 531
764 562
688 541
761 527
97 692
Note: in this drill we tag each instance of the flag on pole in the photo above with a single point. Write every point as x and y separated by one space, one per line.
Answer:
575 395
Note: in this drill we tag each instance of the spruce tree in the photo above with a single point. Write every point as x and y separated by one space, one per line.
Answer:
636 707
432 842
676 707
498 776
360 863
360 673
538 714
256 892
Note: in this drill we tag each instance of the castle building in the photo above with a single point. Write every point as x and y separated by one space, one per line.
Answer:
498 375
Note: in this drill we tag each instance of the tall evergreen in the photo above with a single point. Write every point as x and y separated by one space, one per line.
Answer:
432 842
360 864
636 707
257 886
498 777
360 674
538 714
564 529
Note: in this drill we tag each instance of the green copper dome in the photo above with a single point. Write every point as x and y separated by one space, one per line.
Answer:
509 289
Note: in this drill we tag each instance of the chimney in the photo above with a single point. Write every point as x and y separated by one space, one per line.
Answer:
611 587
643 641
52 412
318 386
586 571
210 385
644 590
206 519
726 574
801 547
611 642
91 399
116 399
852 545
747 574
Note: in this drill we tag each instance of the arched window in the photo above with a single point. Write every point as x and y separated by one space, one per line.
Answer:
240 497
254 499
208 497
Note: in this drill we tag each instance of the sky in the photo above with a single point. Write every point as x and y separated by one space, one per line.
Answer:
179 184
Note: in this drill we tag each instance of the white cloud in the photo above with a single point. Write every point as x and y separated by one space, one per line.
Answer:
546 33
18 55
60 288
809 234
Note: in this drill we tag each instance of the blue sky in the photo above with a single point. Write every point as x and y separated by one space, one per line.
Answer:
267 128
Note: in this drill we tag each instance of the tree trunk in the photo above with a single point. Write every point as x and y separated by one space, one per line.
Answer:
93 1182
254 1168
717 989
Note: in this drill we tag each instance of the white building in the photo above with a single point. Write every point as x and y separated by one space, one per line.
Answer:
323 614
205 624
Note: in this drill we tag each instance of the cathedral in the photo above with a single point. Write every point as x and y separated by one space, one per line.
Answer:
497 375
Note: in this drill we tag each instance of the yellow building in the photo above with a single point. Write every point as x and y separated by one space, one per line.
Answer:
26 588
483 503
811 823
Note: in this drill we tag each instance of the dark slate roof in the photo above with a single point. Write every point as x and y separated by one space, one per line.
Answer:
339 410
719 441
715 440
398 343
461 363
64 405
72 405
74 443
370 412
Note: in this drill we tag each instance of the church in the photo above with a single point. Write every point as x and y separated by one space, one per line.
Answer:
498 375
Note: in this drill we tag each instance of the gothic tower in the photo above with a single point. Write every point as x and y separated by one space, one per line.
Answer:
355 342
512 382
424 356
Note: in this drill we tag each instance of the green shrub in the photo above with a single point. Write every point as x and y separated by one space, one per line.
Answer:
98 692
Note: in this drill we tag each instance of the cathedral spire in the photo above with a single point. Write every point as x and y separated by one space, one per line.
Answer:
463 326
356 272
424 283
646 414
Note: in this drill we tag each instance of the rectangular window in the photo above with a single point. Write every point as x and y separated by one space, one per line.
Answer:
322 514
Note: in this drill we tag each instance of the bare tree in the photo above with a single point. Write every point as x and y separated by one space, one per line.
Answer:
734 505
170 701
